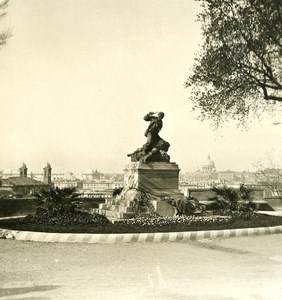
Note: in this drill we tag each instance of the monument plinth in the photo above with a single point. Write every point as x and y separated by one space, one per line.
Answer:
158 178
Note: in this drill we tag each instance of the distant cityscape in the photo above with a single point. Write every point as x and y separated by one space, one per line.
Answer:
94 183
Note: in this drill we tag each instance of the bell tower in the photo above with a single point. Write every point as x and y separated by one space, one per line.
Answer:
47 174
23 170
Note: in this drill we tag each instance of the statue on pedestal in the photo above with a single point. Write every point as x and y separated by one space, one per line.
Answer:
155 149
149 178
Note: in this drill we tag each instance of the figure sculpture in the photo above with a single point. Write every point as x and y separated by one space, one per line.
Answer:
155 149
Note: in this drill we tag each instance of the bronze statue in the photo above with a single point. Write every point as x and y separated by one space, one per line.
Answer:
152 132
155 149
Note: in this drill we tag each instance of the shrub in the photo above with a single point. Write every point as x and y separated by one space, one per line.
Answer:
229 199
142 204
188 206
45 217
219 206
62 200
244 215
61 207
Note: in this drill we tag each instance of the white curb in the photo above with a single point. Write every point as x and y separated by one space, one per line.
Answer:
133 237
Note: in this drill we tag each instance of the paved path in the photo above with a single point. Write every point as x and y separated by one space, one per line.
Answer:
235 268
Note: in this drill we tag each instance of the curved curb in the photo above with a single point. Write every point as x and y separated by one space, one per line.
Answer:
134 237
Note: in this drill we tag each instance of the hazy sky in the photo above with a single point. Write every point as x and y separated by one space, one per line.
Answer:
77 77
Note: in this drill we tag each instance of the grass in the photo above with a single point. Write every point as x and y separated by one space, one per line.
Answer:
120 227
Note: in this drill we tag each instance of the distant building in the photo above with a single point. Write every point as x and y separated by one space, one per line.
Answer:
226 176
23 170
209 166
185 187
96 185
65 183
98 194
92 175
117 184
10 173
99 188
47 174
21 186
207 174
100 185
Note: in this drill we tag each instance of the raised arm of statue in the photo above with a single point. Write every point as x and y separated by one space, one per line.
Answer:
149 116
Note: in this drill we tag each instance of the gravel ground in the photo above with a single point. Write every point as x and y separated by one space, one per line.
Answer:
235 268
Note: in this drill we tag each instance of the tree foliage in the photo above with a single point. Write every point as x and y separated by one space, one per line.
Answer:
4 34
56 199
187 206
269 173
238 70
231 199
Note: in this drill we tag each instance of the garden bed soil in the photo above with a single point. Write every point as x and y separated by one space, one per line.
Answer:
120 227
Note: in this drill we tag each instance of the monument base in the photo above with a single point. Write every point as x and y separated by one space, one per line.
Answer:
158 179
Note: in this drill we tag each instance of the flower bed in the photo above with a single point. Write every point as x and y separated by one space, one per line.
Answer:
182 220
46 218
156 224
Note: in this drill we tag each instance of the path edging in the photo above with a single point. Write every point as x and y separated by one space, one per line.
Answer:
133 237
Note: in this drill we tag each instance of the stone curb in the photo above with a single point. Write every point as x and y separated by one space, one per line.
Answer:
134 237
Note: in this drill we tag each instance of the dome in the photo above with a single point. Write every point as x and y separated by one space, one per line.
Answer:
209 166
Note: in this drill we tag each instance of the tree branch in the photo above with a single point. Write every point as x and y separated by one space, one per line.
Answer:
269 97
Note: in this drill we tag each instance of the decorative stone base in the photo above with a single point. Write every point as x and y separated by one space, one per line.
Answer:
163 208
158 179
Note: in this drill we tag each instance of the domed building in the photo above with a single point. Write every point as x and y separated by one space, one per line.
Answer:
209 166
206 175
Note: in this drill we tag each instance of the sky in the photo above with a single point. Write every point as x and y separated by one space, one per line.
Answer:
77 78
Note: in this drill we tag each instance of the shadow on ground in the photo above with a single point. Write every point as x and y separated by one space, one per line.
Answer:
212 245
23 290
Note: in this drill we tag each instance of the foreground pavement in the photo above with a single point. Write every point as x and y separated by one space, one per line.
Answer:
235 268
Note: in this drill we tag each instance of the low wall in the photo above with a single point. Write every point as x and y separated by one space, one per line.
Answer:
17 207
274 202
201 194
206 194
24 206
265 204
89 203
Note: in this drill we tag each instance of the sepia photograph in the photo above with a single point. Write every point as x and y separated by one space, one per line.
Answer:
141 149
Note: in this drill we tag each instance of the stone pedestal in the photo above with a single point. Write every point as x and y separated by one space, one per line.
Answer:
158 178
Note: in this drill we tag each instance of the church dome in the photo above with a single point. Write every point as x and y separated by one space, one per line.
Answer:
209 166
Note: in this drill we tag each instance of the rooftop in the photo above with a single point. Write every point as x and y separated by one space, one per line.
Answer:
21 181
